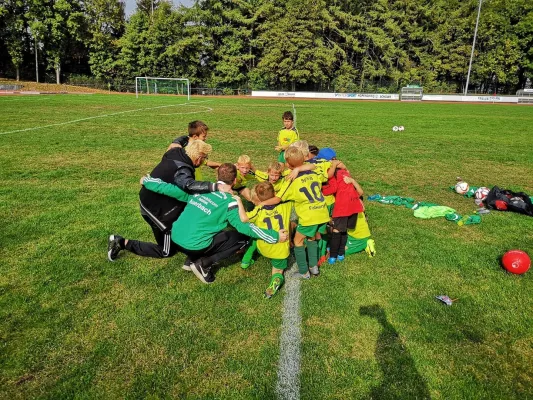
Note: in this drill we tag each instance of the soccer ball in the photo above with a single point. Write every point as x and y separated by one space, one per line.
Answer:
481 193
401 128
461 187
395 128
516 261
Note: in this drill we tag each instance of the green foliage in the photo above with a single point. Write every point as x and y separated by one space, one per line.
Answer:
295 44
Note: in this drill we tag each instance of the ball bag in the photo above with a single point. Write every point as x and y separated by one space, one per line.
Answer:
516 261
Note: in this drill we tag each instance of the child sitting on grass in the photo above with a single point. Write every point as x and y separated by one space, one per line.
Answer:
272 216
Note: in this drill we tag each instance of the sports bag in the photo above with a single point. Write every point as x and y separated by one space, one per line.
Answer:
506 200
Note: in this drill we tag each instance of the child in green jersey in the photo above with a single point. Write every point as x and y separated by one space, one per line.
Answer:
275 216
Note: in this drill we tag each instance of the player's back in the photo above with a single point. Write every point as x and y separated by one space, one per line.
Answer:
275 217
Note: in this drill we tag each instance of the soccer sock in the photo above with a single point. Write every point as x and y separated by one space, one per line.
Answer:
277 275
334 244
342 246
301 259
312 252
250 251
323 245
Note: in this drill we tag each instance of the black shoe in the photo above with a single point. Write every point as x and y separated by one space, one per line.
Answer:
187 264
113 247
201 272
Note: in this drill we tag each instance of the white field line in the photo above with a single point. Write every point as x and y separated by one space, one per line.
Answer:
95 117
288 384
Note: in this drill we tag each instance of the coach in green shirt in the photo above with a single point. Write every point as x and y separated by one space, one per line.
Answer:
199 231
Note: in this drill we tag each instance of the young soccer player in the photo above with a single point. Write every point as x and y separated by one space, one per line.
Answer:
270 217
197 131
286 136
272 175
310 207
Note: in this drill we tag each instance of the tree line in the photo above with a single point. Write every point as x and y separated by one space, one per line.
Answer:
320 45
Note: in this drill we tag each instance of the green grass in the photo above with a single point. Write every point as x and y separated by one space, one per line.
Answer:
73 325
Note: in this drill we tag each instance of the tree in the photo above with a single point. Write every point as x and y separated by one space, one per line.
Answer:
106 24
14 31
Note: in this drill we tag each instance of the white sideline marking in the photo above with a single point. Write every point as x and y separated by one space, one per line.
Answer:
97 116
288 385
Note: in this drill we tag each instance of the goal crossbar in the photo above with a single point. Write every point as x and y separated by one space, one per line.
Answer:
150 78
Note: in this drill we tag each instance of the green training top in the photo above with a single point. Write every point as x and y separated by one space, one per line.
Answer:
204 216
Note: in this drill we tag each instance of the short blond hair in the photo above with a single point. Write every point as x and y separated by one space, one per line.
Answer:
244 159
301 145
276 166
196 148
294 156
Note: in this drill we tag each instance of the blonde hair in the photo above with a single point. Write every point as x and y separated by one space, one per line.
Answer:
244 159
196 148
301 145
276 166
294 156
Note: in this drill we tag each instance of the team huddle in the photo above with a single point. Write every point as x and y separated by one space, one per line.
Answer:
305 201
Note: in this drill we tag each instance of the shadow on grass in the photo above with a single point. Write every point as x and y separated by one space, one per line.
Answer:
401 379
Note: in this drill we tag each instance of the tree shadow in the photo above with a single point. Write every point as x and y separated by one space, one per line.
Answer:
401 379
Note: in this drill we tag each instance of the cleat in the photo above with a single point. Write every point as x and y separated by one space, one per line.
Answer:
314 271
370 248
187 265
297 275
273 288
322 260
201 272
340 258
332 260
246 265
113 247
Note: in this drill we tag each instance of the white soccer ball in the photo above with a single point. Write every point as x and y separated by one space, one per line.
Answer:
461 187
401 128
481 193
395 128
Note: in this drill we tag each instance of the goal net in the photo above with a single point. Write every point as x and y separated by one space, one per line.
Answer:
150 85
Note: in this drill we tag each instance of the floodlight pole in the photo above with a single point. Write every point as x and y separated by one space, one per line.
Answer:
473 45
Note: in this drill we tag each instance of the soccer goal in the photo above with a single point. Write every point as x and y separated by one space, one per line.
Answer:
525 96
150 85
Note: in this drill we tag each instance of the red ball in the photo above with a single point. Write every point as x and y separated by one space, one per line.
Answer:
516 261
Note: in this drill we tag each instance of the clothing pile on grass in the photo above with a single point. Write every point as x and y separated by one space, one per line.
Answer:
499 199
426 210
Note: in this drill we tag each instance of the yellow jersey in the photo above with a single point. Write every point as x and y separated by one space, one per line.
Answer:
288 136
306 192
274 217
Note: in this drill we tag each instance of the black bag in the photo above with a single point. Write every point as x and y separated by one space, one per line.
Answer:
501 199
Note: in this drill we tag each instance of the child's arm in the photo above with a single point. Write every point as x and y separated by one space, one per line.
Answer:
242 211
213 164
348 180
330 187
271 202
294 173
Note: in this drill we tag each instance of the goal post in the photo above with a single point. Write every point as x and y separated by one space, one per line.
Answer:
155 85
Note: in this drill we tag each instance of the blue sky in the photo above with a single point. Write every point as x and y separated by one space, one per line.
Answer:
130 4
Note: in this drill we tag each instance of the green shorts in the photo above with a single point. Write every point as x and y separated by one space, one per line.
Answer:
279 264
311 230
330 209
281 157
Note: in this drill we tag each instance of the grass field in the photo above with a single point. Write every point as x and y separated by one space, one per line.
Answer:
74 325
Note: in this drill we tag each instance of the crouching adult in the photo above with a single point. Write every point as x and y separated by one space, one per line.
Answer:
177 166
200 231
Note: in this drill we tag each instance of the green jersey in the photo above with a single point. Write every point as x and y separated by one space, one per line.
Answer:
204 216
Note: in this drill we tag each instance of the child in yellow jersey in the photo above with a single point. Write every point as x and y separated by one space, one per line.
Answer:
273 216
272 175
305 191
245 174
288 135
